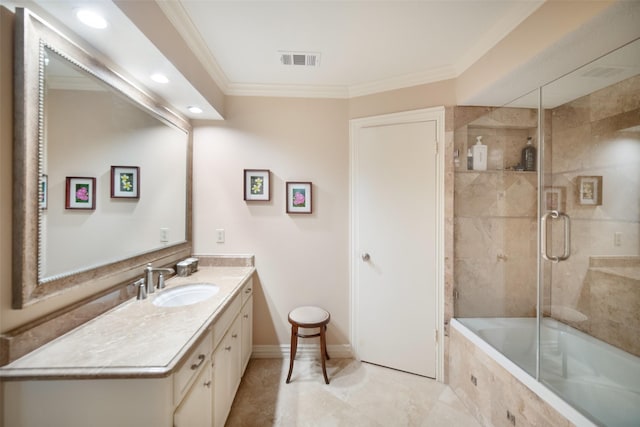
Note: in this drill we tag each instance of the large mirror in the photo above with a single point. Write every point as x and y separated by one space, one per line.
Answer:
101 169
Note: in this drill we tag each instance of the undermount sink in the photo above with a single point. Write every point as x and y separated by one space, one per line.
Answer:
186 295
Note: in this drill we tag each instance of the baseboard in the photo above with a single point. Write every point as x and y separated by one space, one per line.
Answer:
307 351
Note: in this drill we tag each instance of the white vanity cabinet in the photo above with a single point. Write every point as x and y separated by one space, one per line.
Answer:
246 318
91 402
197 392
232 354
226 372
196 408
127 402
192 387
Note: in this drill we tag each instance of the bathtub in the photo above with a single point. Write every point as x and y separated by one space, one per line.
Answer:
586 380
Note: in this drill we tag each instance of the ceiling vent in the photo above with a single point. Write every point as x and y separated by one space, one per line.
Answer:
300 58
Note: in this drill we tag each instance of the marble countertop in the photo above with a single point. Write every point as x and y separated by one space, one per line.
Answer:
134 339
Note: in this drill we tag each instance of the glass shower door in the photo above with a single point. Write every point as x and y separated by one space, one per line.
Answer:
589 294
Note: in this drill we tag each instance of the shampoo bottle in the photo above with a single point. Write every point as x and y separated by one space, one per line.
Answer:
479 155
529 156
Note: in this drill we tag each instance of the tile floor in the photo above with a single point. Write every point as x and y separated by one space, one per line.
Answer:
360 394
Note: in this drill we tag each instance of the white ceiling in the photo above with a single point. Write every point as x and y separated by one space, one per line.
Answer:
365 46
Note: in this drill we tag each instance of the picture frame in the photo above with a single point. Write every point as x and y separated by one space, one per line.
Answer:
43 189
80 193
590 190
257 184
125 182
555 199
299 197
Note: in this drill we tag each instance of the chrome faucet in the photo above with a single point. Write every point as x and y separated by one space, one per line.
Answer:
148 277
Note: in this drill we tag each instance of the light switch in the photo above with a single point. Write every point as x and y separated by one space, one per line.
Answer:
164 235
617 238
220 235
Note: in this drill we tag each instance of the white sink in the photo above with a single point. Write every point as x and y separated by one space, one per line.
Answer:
186 295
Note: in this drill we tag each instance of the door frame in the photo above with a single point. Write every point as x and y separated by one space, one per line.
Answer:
355 126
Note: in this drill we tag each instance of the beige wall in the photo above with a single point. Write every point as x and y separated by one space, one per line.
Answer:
407 99
300 259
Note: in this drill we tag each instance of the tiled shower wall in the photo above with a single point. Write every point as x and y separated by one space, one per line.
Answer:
598 289
495 233
495 216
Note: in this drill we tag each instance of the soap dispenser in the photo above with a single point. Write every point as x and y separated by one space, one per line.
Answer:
479 155
528 161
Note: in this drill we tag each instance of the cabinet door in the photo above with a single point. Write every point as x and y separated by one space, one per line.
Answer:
221 380
195 409
226 372
235 357
247 333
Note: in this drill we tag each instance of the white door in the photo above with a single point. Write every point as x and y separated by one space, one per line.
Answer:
395 240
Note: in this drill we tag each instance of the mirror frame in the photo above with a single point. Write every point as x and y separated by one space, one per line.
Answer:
32 34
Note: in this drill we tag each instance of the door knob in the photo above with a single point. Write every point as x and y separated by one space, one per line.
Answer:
365 257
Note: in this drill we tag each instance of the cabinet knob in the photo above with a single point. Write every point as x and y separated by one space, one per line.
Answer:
207 384
228 348
366 257
234 336
246 291
246 316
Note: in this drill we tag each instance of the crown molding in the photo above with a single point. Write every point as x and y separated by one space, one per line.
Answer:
316 91
414 79
287 91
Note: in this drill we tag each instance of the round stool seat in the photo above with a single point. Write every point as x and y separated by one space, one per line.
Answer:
308 315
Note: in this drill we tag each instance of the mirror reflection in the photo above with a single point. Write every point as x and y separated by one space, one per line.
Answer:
113 176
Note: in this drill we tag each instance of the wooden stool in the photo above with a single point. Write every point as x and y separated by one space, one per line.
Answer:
309 317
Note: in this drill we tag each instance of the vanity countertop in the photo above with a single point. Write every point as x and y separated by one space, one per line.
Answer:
134 339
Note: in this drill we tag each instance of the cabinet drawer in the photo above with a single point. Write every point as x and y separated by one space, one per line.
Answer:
196 361
221 325
247 290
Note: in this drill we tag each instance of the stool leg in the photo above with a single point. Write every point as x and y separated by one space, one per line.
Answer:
323 353
294 349
325 346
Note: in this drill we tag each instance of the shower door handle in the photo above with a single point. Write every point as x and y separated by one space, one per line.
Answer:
567 236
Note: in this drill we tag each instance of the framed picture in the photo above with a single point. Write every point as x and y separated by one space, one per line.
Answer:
555 199
590 190
81 193
42 192
125 182
299 197
257 184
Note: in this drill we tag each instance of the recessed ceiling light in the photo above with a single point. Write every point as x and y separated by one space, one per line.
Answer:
195 110
159 78
91 19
